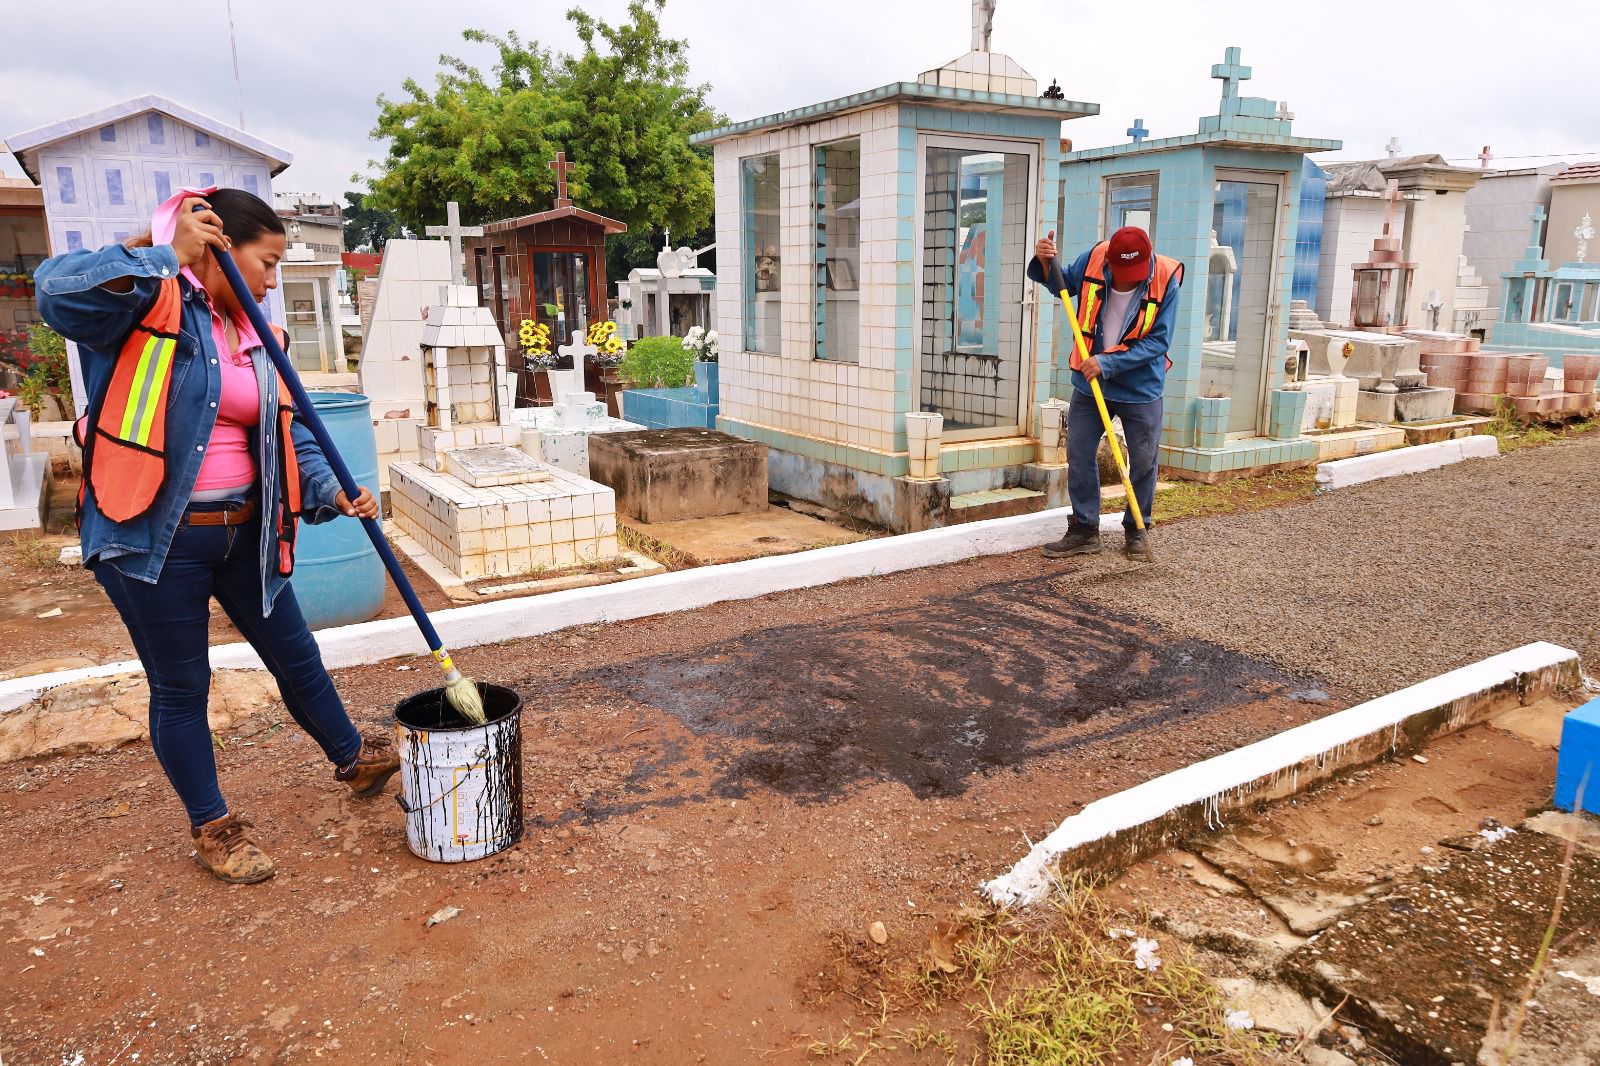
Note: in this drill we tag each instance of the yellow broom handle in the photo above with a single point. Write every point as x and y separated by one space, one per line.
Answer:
1105 415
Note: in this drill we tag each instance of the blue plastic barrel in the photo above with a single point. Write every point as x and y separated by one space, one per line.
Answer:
338 577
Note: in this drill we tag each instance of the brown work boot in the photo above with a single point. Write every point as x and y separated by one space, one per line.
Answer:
372 769
222 848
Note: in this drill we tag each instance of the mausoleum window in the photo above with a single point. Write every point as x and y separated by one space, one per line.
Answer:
763 308
1131 201
837 187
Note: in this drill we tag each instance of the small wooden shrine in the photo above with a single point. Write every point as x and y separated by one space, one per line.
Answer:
549 267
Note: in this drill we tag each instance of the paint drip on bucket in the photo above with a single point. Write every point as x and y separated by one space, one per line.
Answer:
460 784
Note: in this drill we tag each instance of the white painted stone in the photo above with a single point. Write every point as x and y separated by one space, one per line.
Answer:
1343 473
1029 881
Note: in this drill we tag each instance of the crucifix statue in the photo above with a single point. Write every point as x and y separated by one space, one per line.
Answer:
982 24
1585 234
560 165
453 231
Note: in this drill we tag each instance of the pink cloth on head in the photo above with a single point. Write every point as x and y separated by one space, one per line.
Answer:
228 462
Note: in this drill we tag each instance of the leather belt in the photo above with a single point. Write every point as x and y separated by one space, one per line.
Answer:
236 517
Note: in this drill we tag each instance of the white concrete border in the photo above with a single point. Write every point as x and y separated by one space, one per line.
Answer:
1342 473
682 590
1249 770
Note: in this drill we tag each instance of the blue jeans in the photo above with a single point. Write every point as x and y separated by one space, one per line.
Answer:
1141 424
169 622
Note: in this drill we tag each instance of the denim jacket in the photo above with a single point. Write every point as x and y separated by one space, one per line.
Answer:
74 301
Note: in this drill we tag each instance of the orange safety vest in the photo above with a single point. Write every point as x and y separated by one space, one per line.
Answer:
124 457
1165 271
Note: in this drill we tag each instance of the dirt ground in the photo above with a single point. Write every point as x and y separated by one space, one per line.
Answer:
716 801
709 799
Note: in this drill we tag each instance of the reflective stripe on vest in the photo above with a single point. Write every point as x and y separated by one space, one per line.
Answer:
124 446
1164 271
124 458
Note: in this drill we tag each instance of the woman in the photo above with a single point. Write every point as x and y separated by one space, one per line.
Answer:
194 473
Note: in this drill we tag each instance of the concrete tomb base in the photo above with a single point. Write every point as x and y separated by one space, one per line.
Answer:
672 474
559 435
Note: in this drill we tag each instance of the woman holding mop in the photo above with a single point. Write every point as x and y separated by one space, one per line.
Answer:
195 473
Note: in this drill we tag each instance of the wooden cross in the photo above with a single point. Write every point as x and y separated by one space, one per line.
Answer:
1137 131
560 165
1230 72
1484 157
453 230
1393 147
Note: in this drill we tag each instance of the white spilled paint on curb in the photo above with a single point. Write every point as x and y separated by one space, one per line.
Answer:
1342 473
1202 782
682 590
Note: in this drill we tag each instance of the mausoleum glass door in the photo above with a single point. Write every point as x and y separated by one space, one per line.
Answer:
561 293
974 362
1239 322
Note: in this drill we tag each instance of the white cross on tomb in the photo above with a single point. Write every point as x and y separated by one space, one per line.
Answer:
453 230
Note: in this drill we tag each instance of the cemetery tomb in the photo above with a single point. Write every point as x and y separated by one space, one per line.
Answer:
559 436
675 474
1214 200
547 267
24 473
870 255
476 501
1553 311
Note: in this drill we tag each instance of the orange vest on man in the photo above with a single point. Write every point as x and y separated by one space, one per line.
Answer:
1164 273
124 451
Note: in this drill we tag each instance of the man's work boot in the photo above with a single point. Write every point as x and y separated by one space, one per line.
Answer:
1136 545
1076 542
222 847
373 767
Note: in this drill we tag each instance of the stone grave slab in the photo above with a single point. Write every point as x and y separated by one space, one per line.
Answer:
494 464
559 435
672 474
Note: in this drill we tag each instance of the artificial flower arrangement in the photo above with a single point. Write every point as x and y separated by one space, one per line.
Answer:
534 340
702 342
603 335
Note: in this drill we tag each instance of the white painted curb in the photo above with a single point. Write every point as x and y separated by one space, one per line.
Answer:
683 590
1342 473
1240 771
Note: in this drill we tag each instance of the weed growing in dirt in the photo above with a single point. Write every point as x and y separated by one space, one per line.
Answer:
1193 499
1515 435
38 553
650 547
1060 984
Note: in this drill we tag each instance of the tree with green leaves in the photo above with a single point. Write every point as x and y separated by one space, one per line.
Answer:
622 109
366 226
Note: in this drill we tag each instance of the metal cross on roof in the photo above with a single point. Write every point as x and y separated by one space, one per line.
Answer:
453 231
1484 156
560 165
1137 131
1393 147
1230 72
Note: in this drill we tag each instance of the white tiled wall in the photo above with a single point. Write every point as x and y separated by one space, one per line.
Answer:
567 521
853 403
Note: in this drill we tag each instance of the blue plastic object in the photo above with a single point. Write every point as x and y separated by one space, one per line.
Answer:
338 577
1578 765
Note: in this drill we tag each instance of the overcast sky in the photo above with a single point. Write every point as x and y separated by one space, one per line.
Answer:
1446 77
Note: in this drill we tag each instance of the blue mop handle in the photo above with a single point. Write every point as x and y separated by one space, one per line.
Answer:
308 414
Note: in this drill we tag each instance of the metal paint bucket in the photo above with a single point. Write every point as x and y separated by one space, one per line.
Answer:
460 784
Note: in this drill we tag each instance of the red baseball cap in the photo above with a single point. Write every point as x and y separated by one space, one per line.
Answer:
1129 256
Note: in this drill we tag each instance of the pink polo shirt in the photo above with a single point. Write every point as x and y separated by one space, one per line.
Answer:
228 462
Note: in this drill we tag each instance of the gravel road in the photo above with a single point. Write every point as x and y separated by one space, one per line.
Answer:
1383 585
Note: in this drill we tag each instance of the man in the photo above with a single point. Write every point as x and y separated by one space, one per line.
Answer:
1127 317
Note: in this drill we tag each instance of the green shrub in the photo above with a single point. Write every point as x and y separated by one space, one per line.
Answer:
48 372
658 360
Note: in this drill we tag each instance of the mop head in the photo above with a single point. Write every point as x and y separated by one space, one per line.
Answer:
464 699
